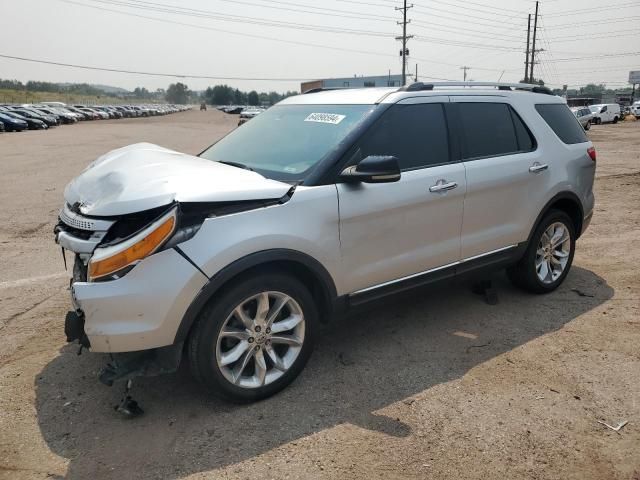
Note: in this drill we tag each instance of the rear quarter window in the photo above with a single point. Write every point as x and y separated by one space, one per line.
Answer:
562 122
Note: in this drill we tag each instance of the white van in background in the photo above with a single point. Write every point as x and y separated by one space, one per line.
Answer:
635 109
605 112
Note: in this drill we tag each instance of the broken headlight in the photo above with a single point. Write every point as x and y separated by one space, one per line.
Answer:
116 259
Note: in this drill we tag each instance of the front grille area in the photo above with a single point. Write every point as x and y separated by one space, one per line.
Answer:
76 232
80 234
76 222
81 222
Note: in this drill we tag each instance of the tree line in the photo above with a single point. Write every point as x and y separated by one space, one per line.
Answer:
226 95
222 95
36 86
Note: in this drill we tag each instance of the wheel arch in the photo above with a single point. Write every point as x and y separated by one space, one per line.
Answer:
302 266
567 202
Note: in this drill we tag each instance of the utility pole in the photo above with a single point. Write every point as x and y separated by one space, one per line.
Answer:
465 72
533 46
404 52
526 58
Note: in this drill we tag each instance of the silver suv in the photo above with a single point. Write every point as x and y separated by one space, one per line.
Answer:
325 201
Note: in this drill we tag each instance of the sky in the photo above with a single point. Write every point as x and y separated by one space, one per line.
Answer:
275 44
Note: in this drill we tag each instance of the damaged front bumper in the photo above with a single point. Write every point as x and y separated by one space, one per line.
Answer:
135 318
141 310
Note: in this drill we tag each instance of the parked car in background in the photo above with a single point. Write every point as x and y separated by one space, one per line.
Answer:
605 113
248 114
98 114
49 114
12 124
32 123
63 111
584 116
635 109
66 118
50 120
233 109
82 115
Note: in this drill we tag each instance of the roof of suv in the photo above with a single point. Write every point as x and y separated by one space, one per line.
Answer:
371 95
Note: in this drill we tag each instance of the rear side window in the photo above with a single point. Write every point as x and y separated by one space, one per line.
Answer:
492 129
562 122
416 134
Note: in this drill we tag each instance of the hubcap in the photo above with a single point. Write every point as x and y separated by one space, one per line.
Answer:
260 340
553 251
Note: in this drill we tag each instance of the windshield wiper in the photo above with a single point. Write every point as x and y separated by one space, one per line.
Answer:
237 164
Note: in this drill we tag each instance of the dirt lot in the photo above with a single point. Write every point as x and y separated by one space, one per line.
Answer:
437 385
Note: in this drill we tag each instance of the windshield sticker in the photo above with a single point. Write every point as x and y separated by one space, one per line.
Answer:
332 118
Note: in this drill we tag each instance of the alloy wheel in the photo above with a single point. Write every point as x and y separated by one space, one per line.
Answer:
260 339
553 252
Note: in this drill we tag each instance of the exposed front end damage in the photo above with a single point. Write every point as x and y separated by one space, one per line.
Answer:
132 284
124 220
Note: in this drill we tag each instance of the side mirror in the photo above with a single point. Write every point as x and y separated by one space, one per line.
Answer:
373 169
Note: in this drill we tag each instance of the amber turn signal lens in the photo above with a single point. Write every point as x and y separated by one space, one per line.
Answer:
141 249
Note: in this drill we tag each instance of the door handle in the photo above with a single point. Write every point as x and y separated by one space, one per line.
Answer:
537 167
442 186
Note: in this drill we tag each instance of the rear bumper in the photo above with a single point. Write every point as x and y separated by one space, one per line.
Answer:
141 310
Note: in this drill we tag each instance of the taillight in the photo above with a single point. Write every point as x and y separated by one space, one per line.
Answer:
592 153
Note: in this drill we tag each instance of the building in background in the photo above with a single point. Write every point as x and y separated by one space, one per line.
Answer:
353 82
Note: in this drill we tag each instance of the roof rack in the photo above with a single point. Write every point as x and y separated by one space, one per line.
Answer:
322 89
420 86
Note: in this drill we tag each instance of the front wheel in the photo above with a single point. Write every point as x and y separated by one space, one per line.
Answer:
255 338
549 255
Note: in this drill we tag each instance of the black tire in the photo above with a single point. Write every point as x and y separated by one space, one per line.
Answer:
523 274
202 342
615 119
598 121
588 125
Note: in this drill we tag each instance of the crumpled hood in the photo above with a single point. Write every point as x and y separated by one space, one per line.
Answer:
144 176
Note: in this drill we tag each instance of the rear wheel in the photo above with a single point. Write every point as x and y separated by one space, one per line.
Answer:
255 338
615 119
549 255
588 125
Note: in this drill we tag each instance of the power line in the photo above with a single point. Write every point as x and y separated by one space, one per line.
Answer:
585 11
581 38
456 43
611 55
474 22
239 18
458 14
302 26
498 11
427 25
153 74
230 32
600 22
322 9
484 6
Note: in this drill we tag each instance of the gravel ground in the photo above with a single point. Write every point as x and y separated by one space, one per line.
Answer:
434 385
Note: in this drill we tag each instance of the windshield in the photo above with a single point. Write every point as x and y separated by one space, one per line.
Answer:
285 142
595 109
